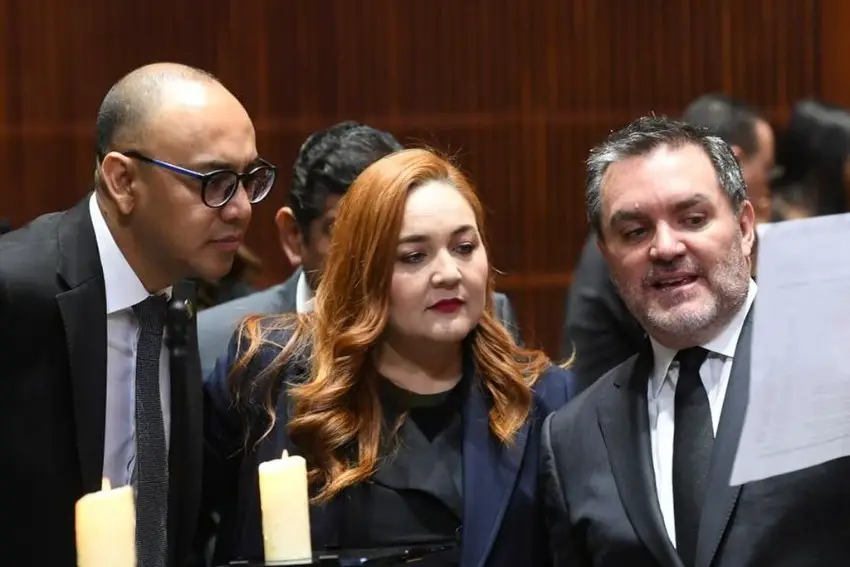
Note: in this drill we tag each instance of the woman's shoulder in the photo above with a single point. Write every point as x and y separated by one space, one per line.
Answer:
276 331
265 352
264 338
263 344
555 387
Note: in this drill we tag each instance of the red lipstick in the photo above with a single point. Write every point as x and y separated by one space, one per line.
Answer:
447 305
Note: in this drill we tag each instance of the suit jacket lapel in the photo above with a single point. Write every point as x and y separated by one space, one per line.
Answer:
722 498
490 474
623 419
83 310
419 468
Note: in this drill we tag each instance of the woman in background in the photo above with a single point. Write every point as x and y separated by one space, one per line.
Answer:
814 152
417 414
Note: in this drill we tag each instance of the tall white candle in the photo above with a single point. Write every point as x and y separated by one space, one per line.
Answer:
285 504
106 528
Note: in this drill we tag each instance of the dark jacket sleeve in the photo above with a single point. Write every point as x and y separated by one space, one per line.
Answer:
555 388
565 547
224 441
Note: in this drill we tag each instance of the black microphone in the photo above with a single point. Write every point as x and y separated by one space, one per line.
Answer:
179 316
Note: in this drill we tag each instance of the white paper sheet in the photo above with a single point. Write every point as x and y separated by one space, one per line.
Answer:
799 407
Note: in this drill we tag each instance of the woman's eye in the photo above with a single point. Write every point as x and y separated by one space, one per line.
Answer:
413 258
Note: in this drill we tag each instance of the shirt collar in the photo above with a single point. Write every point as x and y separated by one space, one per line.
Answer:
304 295
123 287
724 343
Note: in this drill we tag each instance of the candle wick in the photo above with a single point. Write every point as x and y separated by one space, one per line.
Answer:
285 454
105 484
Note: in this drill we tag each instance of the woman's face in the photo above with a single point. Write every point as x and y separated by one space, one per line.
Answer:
439 281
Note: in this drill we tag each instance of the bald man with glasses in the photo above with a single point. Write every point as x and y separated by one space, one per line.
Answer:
88 387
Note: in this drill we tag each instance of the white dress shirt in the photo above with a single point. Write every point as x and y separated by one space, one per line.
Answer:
304 296
661 400
123 290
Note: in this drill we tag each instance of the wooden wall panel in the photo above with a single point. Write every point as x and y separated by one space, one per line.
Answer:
518 91
834 47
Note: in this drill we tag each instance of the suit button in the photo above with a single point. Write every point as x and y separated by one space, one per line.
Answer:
459 532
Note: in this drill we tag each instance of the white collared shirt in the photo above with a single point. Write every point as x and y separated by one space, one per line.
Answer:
123 290
661 401
304 295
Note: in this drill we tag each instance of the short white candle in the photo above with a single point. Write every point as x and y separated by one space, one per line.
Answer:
285 504
106 528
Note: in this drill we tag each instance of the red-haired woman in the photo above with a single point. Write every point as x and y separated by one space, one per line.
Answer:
417 414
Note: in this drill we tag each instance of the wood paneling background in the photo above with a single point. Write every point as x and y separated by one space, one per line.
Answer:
519 91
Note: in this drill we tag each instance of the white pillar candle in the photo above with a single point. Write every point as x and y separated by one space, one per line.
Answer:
106 528
285 504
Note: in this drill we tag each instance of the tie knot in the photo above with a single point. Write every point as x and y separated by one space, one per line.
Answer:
152 311
690 359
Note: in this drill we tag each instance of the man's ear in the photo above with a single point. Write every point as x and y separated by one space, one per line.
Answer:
117 174
289 234
747 225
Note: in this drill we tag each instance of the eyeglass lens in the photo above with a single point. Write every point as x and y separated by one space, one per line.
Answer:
221 186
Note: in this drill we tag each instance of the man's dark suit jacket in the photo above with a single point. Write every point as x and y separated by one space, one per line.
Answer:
602 507
598 328
53 393
502 516
216 325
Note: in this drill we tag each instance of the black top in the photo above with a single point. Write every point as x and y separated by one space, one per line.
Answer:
416 493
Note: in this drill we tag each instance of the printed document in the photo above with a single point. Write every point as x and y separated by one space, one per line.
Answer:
798 414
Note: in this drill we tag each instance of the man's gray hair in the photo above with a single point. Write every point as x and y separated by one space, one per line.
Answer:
647 134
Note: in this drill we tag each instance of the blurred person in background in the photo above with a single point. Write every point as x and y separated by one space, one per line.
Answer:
813 152
751 138
416 411
598 327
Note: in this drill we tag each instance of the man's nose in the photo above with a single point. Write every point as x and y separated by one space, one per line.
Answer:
238 208
666 245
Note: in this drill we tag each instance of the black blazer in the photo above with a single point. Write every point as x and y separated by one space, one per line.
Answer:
502 518
53 393
602 507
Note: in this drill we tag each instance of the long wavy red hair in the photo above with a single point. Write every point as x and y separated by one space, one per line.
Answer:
337 420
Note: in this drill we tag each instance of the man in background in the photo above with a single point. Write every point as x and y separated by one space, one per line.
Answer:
598 328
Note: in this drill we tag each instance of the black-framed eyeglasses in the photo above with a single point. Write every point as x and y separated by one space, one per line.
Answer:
219 186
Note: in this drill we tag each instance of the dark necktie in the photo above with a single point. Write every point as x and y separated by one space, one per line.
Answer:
693 439
151 469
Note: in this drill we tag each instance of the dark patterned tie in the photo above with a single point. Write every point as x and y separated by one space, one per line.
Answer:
693 439
151 470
